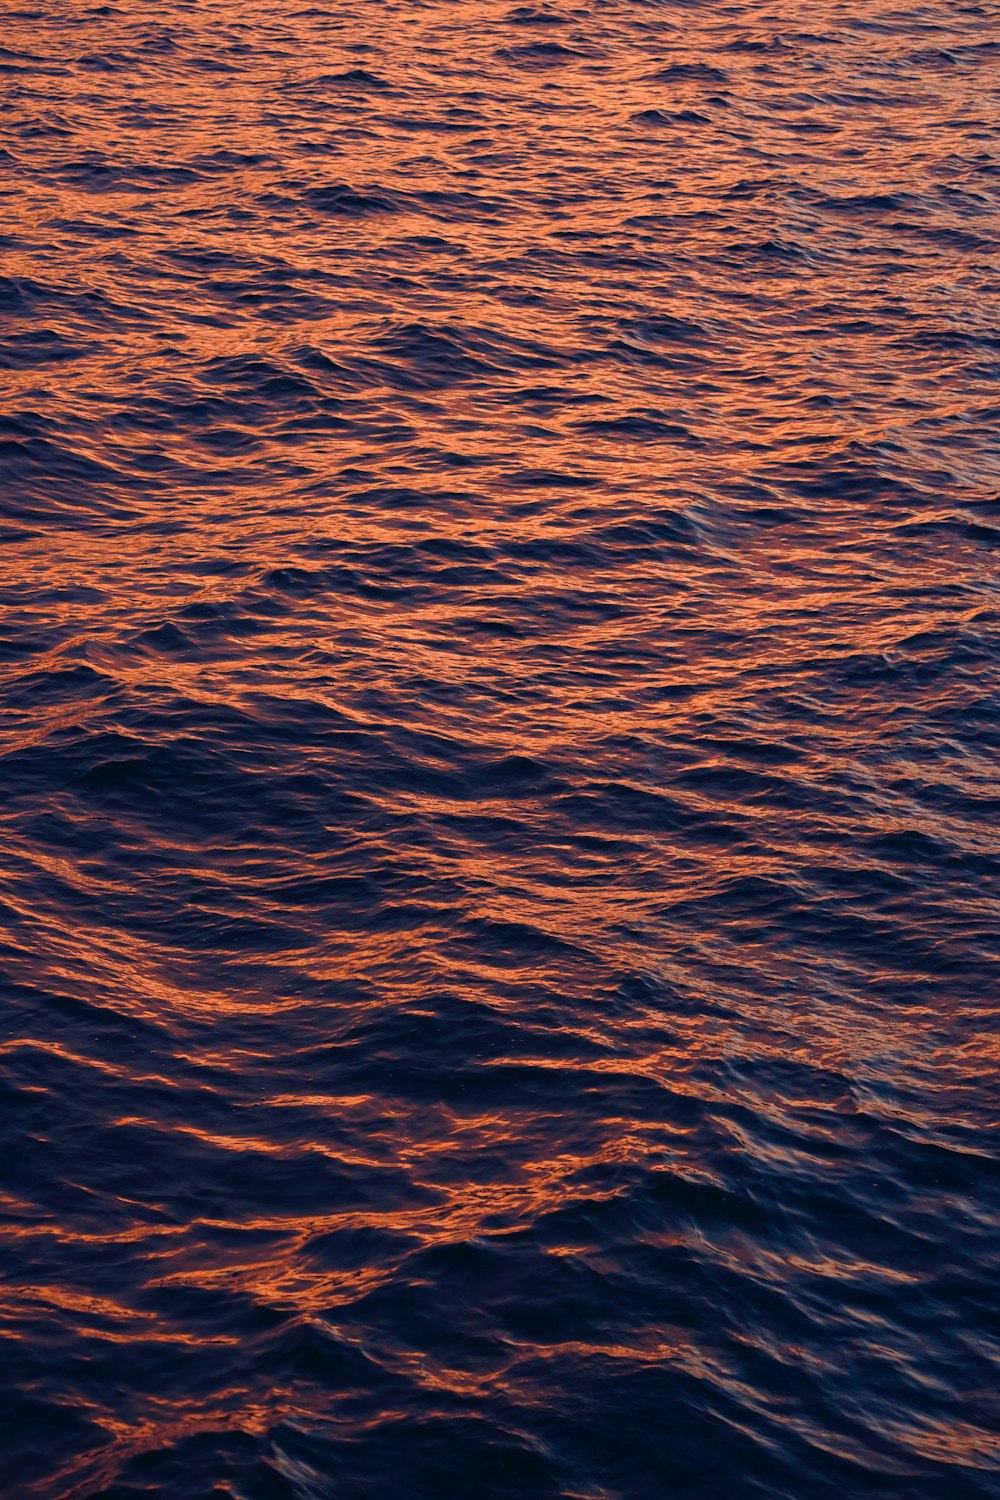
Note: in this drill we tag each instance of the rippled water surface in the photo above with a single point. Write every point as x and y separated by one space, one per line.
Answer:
499 750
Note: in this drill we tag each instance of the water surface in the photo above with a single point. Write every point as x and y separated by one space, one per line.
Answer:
499 750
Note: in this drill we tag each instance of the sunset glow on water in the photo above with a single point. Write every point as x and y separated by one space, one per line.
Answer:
499 732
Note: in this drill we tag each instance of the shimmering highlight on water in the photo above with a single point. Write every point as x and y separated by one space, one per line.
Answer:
499 744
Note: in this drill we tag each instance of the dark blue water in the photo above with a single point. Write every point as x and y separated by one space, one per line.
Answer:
499 731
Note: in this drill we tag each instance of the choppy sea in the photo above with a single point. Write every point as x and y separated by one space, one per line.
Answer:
499 733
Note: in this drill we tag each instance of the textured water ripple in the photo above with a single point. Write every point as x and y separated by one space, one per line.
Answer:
499 730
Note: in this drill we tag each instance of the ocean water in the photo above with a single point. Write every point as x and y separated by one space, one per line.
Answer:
499 744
